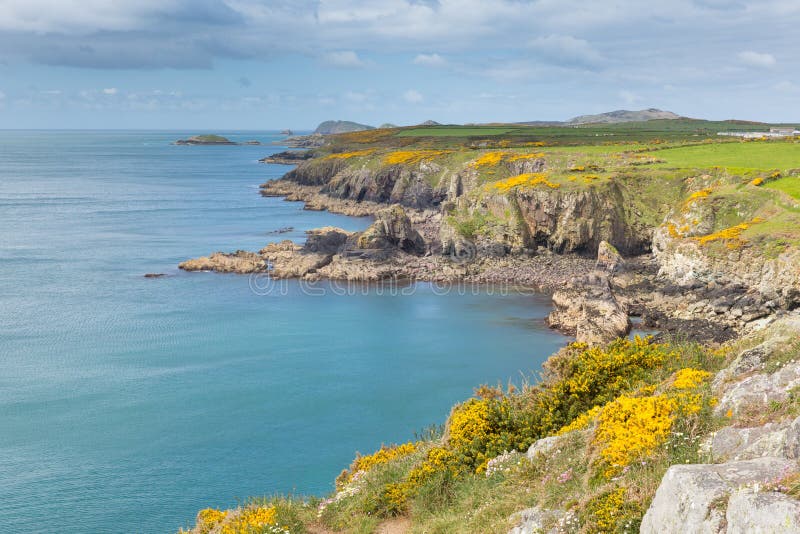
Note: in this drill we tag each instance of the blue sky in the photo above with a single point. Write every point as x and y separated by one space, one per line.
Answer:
226 64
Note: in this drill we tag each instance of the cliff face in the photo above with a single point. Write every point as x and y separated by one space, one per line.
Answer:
562 220
727 240
578 220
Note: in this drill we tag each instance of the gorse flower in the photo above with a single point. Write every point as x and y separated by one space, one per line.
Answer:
245 521
491 159
411 157
632 427
524 180
383 455
731 235
690 378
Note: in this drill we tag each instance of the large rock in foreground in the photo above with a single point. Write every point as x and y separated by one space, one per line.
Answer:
587 309
695 498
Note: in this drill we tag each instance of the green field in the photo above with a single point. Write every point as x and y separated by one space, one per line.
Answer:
759 155
455 131
789 185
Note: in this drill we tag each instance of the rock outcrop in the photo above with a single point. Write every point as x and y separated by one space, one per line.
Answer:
587 309
697 497
566 221
205 140
538 520
241 262
750 511
736 496
288 157
608 257
392 229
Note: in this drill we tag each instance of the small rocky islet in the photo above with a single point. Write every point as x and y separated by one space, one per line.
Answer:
212 140
694 430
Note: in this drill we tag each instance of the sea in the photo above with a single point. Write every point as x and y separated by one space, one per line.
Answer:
128 403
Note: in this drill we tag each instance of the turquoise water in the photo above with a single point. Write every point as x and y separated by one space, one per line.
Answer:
127 404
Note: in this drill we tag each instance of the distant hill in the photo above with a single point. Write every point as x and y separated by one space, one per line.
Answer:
387 125
337 127
430 123
624 115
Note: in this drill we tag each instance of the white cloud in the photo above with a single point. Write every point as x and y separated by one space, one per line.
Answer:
566 50
412 96
757 59
2 95
110 91
79 16
430 60
344 58
630 98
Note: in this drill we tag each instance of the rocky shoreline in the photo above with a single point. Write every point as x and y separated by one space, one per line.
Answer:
588 291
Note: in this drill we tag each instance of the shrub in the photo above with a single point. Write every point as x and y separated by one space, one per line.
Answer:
411 157
383 455
531 179
630 428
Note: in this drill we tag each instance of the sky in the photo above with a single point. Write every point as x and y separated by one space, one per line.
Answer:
250 64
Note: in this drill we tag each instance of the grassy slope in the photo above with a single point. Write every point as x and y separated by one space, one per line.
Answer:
789 185
663 172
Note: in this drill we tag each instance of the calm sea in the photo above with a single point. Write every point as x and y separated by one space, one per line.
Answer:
127 404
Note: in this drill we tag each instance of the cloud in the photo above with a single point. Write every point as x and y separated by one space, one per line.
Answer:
244 81
430 60
756 59
2 95
630 98
412 96
345 59
566 50
110 91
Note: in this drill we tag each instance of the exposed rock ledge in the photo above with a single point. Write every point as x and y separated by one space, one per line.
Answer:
288 157
396 247
241 262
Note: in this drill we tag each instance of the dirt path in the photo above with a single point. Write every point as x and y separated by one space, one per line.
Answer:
398 525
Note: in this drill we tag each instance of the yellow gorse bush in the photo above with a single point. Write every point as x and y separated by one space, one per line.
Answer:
491 159
468 421
703 193
412 157
582 421
524 180
244 521
381 456
690 378
732 235
209 518
606 511
632 427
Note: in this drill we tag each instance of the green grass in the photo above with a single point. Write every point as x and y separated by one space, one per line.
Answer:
455 131
789 185
752 155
